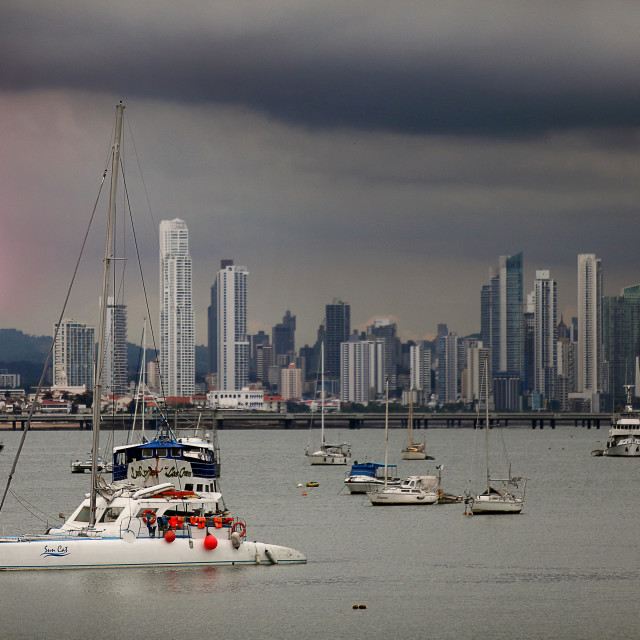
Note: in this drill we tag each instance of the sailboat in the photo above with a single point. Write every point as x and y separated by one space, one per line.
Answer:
500 495
149 516
411 490
328 454
413 450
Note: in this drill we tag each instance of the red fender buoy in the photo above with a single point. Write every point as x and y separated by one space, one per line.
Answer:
169 536
210 542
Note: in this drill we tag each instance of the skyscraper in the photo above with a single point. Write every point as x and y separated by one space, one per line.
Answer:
338 329
115 361
362 363
420 370
177 346
233 342
621 340
447 381
545 334
384 329
74 355
501 316
212 324
589 322
283 336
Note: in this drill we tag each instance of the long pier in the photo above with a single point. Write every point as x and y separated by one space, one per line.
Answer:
334 420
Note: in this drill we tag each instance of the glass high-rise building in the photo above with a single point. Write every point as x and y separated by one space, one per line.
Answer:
337 331
233 342
545 334
177 331
621 340
501 316
212 323
74 355
589 322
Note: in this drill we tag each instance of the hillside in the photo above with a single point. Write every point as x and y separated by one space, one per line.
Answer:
26 354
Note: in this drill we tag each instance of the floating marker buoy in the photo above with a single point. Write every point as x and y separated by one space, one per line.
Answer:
355 606
299 484
169 535
362 606
210 542
304 493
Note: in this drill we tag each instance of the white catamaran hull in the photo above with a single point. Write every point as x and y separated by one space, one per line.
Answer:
494 504
46 552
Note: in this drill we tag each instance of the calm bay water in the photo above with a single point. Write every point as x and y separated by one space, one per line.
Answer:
567 567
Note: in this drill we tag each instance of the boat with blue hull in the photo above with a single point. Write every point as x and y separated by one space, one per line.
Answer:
368 476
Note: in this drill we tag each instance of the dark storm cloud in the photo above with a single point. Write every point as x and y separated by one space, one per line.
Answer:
451 67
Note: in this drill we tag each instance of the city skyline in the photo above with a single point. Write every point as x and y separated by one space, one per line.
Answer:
380 155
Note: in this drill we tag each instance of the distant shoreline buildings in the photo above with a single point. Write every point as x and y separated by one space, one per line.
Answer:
536 360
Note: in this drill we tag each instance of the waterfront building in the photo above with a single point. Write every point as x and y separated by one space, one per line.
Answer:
447 372
545 334
589 324
420 371
337 329
385 330
474 388
621 341
212 323
115 361
74 355
245 398
291 383
233 343
362 367
177 330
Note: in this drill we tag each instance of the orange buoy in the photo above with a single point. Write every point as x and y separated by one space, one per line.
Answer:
210 542
169 535
304 493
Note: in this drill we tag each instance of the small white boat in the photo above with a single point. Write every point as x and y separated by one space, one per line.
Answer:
412 490
624 432
80 466
327 454
369 476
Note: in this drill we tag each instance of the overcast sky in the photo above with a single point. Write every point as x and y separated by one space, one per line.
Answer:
382 153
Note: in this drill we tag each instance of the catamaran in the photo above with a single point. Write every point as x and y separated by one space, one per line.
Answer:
163 508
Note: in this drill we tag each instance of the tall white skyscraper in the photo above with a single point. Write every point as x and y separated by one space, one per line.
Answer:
177 346
545 300
233 342
74 355
362 365
589 322
420 370
115 362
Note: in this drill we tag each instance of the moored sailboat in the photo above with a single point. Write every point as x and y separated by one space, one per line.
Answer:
138 520
500 494
327 454
413 450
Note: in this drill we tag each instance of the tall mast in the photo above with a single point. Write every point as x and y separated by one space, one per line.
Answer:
410 423
322 395
486 419
108 257
386 431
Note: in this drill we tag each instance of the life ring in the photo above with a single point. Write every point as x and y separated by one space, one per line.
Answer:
149 517
239 525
